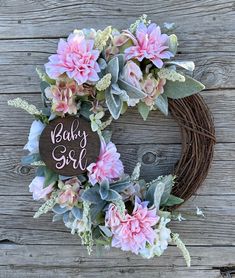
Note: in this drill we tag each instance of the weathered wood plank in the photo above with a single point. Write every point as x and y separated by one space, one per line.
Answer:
26 19
129 128
17 224
16 178
72 261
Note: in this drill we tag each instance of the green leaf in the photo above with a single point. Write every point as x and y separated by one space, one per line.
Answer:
85 109
92 195
106 231
154 193
143 110
176 89
188 65
161 102
173 43
132 91
114 103
113 68
169 182
50 176
104 189
27 160
173 200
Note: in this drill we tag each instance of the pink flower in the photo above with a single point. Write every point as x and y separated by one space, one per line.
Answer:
132 74
75 57
132 232
36 187
63 96
150 44
70 192
108 166
153 88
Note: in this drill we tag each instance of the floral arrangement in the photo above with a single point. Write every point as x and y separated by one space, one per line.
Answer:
95 73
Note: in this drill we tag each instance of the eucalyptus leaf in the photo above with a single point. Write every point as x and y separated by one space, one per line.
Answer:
40 171
50 176
188 65
143 110
57 217
27 160
132 91
161 102
177 90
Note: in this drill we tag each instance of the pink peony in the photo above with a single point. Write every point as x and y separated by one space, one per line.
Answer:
132 74
150 44
132 232
108 166
75 57
36 187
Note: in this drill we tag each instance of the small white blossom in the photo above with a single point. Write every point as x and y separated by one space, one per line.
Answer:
200 212
163 237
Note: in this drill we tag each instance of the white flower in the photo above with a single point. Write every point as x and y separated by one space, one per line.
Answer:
180 217
163 237
33 139
36 187
200 212
132 102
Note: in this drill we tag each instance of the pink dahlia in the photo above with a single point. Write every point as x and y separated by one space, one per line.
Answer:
132 232
75 57
149 43
108 166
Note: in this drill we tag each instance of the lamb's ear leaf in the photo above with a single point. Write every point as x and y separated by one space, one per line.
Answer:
169 182
85 109
143 110
59 210
95 209
177 90
173 200
92 195
121 61
113 195
161 103
121 185
113 68
106 231
173 43
188 65
77 212
155 192
132 91
104 189
114 103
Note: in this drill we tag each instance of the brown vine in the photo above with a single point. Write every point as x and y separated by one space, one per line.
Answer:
198 140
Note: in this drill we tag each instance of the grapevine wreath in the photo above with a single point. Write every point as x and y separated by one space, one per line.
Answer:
91 80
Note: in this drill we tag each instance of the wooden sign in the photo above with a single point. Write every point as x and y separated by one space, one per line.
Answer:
68 145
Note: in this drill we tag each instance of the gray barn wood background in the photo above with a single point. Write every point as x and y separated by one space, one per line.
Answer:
29 32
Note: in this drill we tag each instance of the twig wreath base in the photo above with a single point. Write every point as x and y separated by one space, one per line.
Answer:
79 174
198 139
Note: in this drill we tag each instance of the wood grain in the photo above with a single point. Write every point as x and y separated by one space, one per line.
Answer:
29 32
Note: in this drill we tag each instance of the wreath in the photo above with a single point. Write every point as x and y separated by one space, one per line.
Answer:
91 80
